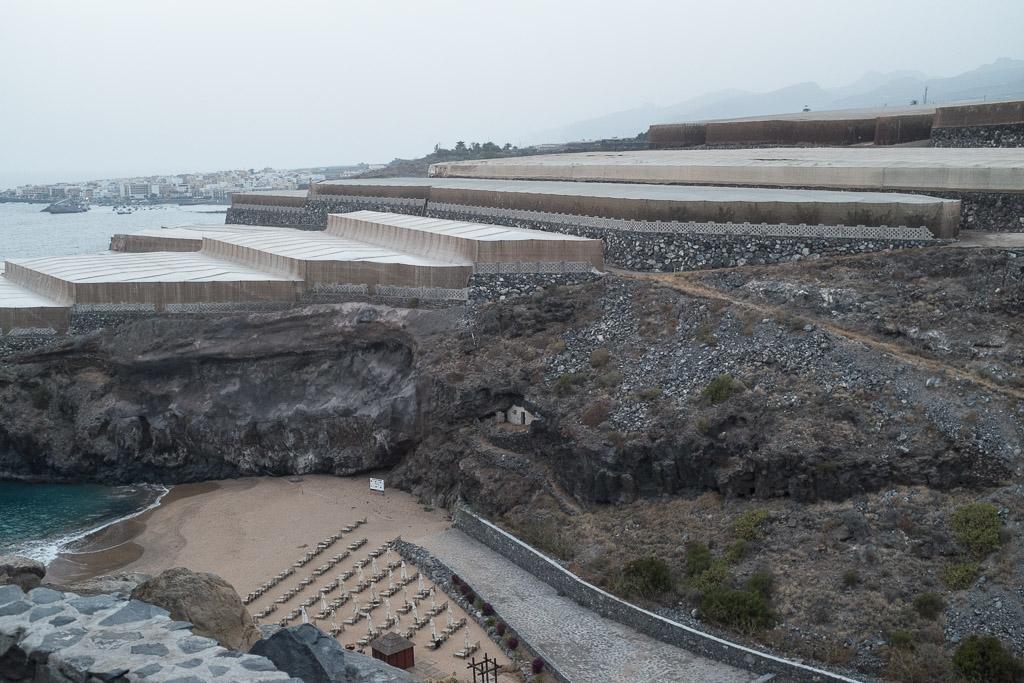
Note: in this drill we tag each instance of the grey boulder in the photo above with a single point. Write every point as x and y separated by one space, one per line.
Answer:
308 653
21 571
206 600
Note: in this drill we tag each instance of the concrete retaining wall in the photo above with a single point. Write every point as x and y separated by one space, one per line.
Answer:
668 247
881 130
30 320
981 114
611 607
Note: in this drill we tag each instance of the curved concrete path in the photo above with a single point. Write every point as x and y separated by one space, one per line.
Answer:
586 647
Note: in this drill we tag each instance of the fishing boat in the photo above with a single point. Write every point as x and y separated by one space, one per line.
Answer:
69 205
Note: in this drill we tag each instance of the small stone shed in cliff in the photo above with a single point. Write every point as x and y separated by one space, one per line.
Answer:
393 649
516 415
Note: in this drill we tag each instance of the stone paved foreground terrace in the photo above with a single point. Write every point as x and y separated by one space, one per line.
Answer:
896 168
54 636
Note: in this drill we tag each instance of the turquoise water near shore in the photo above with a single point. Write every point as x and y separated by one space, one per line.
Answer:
39 520
27 232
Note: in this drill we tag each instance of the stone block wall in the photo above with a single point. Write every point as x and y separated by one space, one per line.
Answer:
312 215
672 246
441 575
1004 135
646 622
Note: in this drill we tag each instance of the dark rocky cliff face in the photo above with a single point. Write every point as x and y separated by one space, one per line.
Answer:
617 370
183 400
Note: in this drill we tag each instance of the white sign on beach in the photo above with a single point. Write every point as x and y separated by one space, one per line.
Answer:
376 484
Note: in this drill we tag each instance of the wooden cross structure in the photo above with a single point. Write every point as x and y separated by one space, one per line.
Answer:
487 669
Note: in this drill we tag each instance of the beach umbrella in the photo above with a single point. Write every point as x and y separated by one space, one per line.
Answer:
402 573
433 602
359 571
323 602
369 624
451 622
467 639
391 580
355 605
341 585
305 617
387 555
373 595
433 630
405 594
415 613
373 566
422 588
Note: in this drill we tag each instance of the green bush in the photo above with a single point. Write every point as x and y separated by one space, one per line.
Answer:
926 663
647 577
929 605
599 357
762 581
715 576
745 610
851 578
983 658
596 413
610 379
566 384
736 551
901 639
703 426
747 526
698 559
977 527
721 388
650 393
959 575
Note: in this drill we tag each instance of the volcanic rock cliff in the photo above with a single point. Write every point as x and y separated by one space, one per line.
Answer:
173 400
642 388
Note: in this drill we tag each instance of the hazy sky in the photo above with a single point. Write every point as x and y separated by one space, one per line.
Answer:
98 88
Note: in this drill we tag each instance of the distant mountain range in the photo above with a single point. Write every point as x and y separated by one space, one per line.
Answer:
1003 79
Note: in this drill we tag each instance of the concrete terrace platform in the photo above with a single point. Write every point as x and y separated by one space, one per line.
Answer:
470 242
652 202
23 309
176 238
892 168
323 257
157 278
186 268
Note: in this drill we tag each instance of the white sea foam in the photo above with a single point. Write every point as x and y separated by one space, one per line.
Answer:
46 550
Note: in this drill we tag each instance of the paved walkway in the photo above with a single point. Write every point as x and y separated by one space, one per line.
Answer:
990 240
585 646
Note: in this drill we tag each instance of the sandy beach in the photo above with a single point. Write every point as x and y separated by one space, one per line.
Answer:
249 530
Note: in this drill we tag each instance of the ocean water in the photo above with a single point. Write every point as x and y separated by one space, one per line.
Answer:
27 232
39 520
